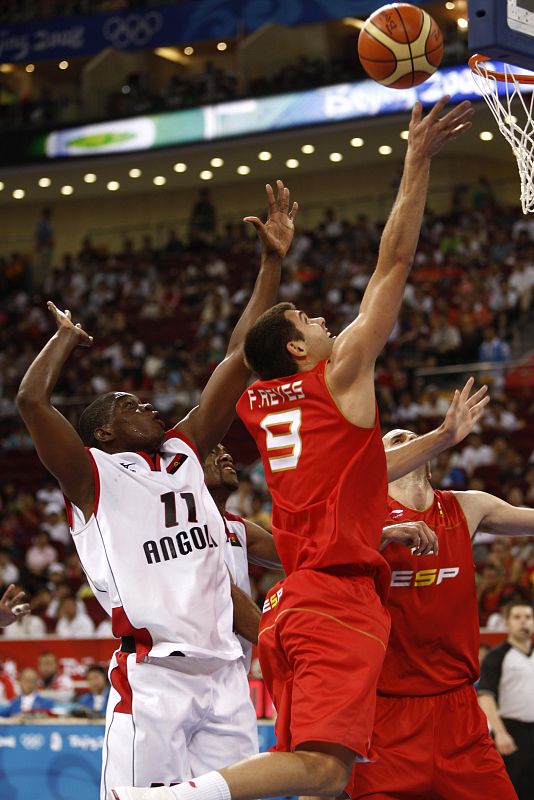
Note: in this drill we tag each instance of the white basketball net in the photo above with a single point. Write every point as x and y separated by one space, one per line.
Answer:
513 112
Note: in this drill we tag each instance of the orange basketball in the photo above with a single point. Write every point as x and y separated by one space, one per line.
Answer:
400 46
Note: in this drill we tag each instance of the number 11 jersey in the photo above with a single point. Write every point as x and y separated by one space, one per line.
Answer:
327 477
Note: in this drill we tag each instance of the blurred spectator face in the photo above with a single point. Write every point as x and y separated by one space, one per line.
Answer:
96 680
46 665
67 609
28 681
520 621
490 576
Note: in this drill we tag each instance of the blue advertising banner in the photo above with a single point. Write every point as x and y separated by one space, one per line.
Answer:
61 761
330 104
66 37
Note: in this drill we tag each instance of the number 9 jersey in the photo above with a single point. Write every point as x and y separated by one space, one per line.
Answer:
327 477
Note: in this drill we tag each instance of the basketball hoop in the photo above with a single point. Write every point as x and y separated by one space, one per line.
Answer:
513 112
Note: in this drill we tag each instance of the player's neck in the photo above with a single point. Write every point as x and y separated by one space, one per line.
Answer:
220 495
413 491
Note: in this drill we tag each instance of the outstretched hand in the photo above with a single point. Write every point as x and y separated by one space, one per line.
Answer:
11 606
464 411
276 234
64 321
427 135
416 535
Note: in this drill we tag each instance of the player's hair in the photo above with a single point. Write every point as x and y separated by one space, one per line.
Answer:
266 343
515 604
94 416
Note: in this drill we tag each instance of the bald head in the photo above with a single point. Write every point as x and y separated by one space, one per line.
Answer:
396 437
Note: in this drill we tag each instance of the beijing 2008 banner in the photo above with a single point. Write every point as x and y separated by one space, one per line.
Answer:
191 21
328 104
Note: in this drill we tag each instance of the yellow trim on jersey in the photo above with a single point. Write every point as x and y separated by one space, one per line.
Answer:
328 616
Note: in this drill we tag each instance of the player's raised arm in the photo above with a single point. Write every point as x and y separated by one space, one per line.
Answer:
209 421
464 411
57 443
357 347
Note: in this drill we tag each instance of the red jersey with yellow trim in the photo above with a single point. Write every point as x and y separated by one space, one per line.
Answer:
327 477
433 646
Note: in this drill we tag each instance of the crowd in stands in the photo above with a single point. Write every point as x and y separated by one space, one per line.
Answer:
161 330
28 10
145 92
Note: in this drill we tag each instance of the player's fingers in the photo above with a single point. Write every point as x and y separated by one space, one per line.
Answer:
459 131
21 610
294 211
477 396
51 307
270 198
429 540
467 388
256 221
417 112
464 109
284 203
8 595
280 194
438 108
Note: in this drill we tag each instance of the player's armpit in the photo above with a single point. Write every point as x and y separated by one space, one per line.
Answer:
246 615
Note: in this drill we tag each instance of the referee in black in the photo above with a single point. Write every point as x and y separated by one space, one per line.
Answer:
506 695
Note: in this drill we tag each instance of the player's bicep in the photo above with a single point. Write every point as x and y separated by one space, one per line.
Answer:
61 451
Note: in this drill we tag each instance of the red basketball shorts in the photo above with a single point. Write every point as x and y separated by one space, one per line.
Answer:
321 647
432 747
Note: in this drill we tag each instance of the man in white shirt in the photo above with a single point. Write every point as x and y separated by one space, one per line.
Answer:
72 624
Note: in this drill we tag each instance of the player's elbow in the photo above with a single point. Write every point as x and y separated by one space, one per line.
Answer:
25 399
328 775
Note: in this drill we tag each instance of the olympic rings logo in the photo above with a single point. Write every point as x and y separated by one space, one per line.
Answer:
132 30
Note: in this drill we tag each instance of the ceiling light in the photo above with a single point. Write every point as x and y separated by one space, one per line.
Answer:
221 46
486 136
189 51
404 135
206 175
462 23
170 53
7 68
353 22
450 6
307 149
135 173
264 155
63 65
357 142
216 162
292 163
180 167
18 194
112 186
66 190
1 186
159 180
385 150
335 157
89 177
44 183
243 169
30 68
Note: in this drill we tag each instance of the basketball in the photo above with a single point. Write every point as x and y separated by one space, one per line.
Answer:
400 46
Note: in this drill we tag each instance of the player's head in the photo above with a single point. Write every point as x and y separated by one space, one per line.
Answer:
118 422
284 341
520 620
400 436
219 471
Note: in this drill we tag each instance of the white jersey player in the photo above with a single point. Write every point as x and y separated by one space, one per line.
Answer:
154 548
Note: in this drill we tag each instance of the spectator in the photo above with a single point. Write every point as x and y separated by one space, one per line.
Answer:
29 700
493 348
202 222
41 554
506 694
50 676
72 624
9 572
94 701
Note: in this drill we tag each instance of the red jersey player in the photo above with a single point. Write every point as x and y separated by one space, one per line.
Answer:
430 734
313 415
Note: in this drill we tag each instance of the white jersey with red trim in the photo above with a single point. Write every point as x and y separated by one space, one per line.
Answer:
236 536
155 552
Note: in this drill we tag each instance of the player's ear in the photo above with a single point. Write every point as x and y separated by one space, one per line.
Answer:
297 348
104 434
